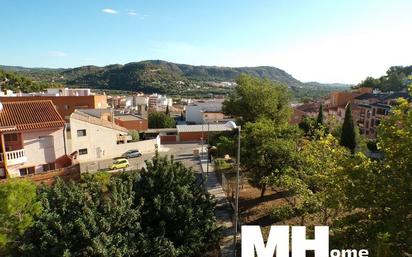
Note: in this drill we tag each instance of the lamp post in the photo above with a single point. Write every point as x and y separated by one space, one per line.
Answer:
207 163
232 125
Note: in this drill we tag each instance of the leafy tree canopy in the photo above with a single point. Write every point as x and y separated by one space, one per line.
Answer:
18 205
160 120
255 98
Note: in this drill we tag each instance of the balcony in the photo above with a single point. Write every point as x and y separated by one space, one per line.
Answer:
14 157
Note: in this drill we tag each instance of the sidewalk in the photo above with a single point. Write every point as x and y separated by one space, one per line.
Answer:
223 211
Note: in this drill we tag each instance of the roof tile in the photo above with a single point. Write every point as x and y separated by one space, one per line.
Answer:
27 115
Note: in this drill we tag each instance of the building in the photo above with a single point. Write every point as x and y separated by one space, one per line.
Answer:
67 92
205 111
195 133
369 110
32 138
131 122
157 102
65 105
341 98
140 103
304 110
92 139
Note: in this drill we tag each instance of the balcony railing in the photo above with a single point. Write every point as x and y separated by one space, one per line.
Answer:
14 157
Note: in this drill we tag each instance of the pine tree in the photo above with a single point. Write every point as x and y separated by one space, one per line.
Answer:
319 120
348 136
167 110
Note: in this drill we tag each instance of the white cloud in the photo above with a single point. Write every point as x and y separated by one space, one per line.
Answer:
57 54
109 11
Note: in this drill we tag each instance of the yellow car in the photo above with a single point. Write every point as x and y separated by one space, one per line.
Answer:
119 164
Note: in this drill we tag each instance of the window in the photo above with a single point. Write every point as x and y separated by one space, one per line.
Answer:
83 151
81 132
49 166
26 171
66 106
10 137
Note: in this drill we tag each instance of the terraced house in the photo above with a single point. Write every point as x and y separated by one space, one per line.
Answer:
32 138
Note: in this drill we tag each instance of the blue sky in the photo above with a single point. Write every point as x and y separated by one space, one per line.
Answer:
314 40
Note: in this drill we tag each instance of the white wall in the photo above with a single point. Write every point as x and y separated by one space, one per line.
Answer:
41 147
101 142
194 114
194 110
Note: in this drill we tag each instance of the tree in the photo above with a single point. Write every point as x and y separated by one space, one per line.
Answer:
134 134
81 220
167 110
379 191
308 126
18 205
177 214
254 98
315 184
160 120
267 149
348 135
319 119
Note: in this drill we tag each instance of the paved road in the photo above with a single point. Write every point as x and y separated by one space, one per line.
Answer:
135 163
181 152
184 154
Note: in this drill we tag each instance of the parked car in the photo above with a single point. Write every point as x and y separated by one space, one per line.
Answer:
132 154
119 164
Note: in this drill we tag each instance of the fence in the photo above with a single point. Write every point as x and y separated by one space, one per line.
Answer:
229 184
49 177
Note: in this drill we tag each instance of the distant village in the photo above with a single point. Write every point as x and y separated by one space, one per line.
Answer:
63 131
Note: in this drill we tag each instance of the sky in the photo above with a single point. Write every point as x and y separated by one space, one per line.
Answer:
313 40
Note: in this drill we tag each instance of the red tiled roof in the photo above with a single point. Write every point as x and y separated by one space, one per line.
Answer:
28 115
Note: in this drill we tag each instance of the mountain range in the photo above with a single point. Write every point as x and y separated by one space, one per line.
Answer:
156 76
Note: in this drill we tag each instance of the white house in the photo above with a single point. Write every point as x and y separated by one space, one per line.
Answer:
93 139
196 111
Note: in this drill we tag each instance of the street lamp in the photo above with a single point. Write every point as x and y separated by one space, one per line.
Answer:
232 125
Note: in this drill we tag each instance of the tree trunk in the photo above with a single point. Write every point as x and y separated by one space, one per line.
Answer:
262 191
302 220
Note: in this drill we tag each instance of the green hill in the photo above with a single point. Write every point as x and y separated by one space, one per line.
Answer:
150 76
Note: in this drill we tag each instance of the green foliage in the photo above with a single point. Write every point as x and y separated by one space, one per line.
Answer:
396 79
154 76
348 135
134 134
160 120
222 164
226 145
319 119
176 212
16 82
308 126
79 220
315 184
254 98
380 192
158 211
18 205
267 150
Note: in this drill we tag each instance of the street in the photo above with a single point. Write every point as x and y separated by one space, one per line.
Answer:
181 152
